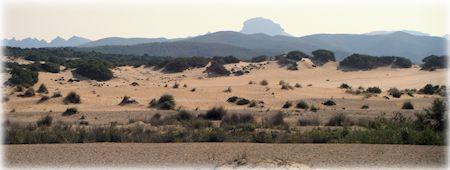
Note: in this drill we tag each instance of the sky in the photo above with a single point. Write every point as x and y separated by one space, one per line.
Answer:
176 19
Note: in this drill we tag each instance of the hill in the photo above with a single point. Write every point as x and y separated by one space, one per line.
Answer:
180 49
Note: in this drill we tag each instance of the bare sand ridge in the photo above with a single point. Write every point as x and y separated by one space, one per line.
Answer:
225 155
323 84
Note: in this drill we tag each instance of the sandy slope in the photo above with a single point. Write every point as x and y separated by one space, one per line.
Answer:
105 96
224 155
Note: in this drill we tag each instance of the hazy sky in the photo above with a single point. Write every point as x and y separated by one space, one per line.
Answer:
100 19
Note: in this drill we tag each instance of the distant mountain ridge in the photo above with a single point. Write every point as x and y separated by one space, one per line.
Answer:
122 41
35 43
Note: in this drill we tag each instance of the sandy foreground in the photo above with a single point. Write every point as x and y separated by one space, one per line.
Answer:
210 155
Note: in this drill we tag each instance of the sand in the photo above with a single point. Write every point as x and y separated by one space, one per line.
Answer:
225 155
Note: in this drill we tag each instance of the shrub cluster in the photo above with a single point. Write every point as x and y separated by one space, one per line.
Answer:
433 62
433 89
321 56
165 102
217 69
95 70
72 98
367 62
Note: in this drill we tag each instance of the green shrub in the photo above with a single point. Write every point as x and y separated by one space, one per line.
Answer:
286 87
394 92
374 89
95 70
184 115
70 111
50 67
216 113
235 119
338 120
45 121
72 98
274 120
298 85
308 122
320 57
217 69
314 108
23 77
302 105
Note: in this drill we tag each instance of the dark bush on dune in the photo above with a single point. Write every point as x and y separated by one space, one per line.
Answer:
320 57
408 106
433 62
287 105
217 69
42 89
302 105
296 55
225 60
374 89
232 99
165 102
394 92
70 111
72 98
43 99
242 101
430 89
216 113
329 103
95 70
344 86
23 77
181 64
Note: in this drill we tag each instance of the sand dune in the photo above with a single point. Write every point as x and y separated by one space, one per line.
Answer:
323 81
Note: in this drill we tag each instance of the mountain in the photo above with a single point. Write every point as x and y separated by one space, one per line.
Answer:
122 41
394 44
224 43
412 32
178 49
264 26
35 43
25 43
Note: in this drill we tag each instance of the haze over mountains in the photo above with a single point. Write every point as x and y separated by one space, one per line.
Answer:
259 36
